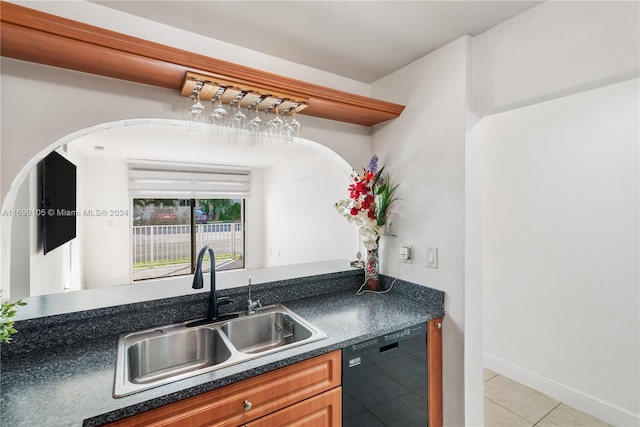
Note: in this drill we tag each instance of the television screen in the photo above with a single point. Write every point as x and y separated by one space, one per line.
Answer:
58 202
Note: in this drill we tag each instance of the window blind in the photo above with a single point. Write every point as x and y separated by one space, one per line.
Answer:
155 179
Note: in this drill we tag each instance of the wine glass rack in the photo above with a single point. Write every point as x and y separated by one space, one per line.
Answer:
231 91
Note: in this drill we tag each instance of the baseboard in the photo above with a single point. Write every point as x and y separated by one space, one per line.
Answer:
591 405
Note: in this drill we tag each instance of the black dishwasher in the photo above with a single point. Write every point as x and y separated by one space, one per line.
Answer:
384 380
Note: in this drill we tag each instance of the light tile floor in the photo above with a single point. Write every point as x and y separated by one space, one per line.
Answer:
511 404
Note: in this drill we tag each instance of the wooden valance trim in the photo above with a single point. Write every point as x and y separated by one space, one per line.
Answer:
35 36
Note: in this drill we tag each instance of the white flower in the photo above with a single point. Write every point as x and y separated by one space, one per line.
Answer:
367 227
370 244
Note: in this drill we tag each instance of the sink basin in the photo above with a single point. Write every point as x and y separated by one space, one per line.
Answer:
168 355
264 332
158 356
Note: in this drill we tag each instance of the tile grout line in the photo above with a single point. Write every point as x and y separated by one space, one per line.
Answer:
535 423
515 413
489 379
545 415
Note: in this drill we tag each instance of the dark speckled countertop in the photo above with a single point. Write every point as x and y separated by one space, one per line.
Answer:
72 384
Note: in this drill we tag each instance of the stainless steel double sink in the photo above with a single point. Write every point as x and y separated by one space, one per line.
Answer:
165 354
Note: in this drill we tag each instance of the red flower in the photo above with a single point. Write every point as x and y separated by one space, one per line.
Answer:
361 192
368 201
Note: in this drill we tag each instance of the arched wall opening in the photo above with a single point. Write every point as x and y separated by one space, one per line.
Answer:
78 105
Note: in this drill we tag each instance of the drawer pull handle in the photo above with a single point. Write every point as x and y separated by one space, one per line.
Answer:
246 405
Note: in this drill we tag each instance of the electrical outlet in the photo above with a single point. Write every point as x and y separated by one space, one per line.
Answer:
405 254
432 257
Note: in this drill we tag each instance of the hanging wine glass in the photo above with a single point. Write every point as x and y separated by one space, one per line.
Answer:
267 116
254 127
295 125
219 114
287 130
238 120
274 127
197 114
291 127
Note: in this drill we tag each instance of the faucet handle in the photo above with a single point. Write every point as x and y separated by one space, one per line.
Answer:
252 305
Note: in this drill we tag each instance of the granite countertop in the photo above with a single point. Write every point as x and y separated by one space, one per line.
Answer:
72 385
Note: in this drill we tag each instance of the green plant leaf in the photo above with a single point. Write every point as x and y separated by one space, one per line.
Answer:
7 311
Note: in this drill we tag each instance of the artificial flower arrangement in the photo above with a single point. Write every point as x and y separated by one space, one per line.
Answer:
370 196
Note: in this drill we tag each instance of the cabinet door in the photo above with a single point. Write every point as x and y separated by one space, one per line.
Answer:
324 410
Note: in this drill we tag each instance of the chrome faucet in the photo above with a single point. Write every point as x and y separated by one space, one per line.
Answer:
252 305
214 302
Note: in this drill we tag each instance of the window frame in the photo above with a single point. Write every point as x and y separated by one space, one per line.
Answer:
192 204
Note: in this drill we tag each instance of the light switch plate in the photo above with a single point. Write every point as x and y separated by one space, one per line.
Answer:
432 257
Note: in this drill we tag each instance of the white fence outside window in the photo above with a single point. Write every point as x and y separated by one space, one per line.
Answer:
165 250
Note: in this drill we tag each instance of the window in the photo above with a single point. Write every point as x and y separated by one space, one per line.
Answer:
220 224
163 241
163 244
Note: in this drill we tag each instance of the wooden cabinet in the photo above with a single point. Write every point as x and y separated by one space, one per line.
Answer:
323 410
240 403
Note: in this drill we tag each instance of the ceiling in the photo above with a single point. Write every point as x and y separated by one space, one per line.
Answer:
361 40
167 140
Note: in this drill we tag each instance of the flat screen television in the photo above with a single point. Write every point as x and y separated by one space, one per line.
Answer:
58 201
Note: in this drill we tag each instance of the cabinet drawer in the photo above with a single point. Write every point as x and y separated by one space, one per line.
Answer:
324 410
263 395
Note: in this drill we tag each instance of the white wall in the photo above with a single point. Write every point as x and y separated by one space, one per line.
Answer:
76 246
355 148
254 222
554 49
74 101
561 248
21 244
106 239
424 150
301 223
473 268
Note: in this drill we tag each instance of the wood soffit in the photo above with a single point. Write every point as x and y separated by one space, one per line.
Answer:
35 36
